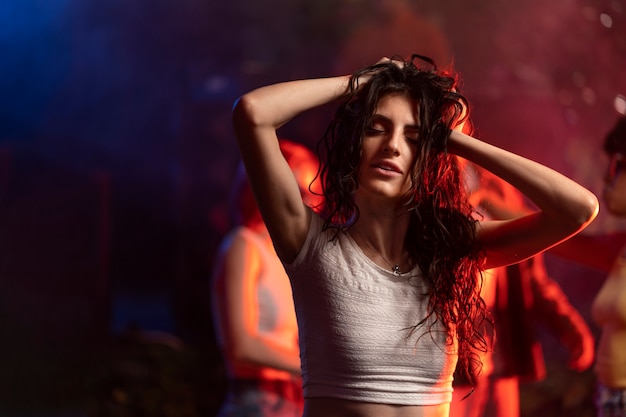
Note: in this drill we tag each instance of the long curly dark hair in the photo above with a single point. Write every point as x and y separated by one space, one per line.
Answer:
442 231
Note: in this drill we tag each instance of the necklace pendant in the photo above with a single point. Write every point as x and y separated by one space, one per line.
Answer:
396 269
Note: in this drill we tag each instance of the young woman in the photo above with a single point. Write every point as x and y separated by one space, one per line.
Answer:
608 253
385 284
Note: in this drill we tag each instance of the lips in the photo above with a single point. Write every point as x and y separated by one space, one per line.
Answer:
387 166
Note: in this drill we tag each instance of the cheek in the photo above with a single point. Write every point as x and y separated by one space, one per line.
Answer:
369 146
366 154
411 162
409 174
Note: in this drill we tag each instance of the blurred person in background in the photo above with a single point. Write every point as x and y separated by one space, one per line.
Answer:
520 297
607 252
253 307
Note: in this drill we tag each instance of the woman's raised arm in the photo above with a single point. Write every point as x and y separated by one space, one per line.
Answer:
256 117
565 207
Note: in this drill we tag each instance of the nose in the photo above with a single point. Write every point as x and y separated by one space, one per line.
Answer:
392 143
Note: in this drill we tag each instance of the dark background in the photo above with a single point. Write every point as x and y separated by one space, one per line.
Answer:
116 156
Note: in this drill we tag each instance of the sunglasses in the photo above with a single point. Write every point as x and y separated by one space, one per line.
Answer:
616 166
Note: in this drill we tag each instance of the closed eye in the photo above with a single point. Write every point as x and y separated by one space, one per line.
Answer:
412 135
371 131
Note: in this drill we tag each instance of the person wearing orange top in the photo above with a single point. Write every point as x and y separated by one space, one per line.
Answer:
253 308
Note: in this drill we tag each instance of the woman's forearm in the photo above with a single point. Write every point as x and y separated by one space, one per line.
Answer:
556 195
265 352
274 105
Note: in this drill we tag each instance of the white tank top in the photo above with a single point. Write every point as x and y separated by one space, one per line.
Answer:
355 321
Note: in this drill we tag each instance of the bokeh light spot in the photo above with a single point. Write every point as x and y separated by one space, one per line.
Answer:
606 20
620 104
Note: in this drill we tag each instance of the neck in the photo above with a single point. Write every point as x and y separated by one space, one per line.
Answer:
381 237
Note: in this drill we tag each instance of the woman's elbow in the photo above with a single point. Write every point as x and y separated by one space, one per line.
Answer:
246 112
587 211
